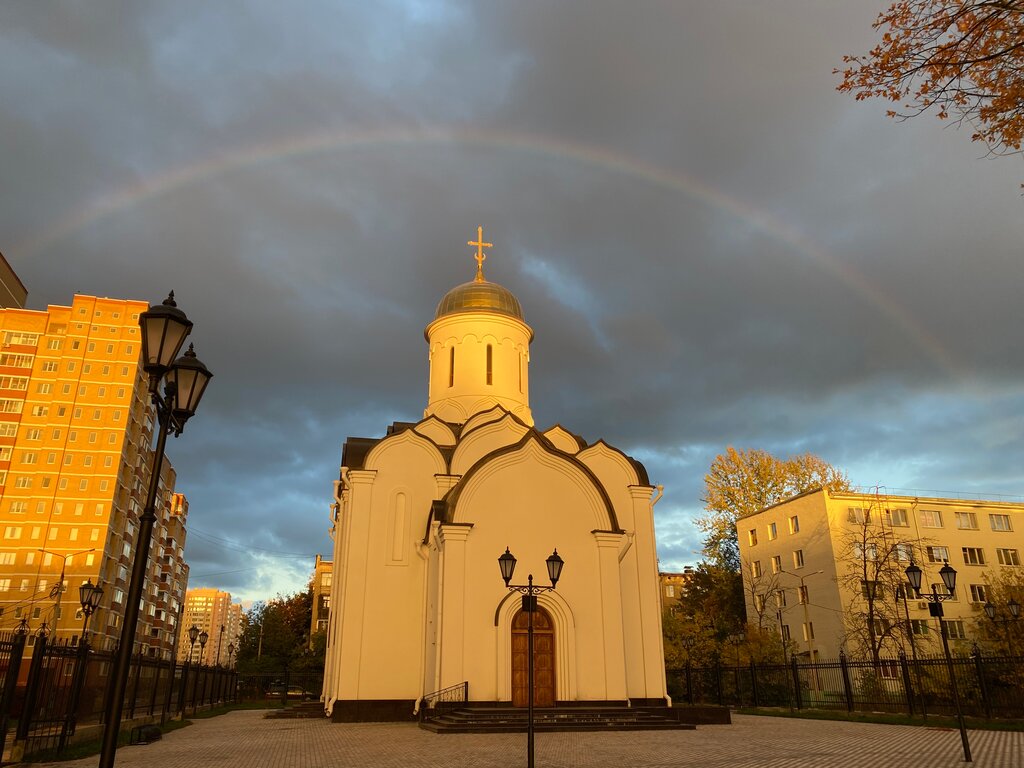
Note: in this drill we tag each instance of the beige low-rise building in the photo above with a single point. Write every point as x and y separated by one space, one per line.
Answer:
831 565
323 577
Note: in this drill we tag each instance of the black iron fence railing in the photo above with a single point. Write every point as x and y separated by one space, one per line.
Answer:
990 686
445 700
51 689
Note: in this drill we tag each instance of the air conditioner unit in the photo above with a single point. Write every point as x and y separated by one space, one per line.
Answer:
921 604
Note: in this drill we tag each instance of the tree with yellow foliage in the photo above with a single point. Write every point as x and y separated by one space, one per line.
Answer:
959 58
740 483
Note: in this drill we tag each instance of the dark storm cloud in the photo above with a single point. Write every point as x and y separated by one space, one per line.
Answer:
712 246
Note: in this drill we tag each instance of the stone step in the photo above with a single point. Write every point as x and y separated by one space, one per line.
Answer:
505 720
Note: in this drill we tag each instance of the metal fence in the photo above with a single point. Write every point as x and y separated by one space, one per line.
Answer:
52 688
989 686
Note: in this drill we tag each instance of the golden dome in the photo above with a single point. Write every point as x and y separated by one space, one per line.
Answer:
479 296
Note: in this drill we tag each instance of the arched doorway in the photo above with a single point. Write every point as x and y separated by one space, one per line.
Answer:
543 659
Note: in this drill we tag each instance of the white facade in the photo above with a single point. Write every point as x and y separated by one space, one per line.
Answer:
422 515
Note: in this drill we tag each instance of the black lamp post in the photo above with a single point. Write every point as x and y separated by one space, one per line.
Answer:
231 651
204 637
1013 607
507 564
935 599
89 595
164 328
220 641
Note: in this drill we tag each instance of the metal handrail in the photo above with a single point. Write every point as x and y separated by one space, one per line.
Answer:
444 699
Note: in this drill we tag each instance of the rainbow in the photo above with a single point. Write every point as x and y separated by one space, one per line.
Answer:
127 196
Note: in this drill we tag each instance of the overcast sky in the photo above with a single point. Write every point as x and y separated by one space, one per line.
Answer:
712 245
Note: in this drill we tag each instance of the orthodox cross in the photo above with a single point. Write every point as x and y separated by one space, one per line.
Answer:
480 255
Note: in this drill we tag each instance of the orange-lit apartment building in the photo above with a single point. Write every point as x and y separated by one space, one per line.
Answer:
210 609
76 428
323 577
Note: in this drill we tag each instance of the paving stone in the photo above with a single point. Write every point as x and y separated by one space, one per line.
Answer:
244 739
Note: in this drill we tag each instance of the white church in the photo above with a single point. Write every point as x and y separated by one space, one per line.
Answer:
422 514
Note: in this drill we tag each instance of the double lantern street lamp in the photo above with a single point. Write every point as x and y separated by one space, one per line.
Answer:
935 599
1014 609
89 595
204 637
164 328
507 564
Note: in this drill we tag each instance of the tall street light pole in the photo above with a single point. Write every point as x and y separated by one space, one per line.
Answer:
507 564
57 592
935 599
164 329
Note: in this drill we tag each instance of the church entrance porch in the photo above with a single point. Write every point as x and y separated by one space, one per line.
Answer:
543 659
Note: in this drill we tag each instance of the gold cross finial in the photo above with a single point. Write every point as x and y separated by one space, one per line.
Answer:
480 255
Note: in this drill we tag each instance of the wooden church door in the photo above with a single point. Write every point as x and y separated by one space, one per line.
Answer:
543 660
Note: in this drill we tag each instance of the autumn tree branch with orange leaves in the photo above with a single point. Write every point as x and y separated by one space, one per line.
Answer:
958 58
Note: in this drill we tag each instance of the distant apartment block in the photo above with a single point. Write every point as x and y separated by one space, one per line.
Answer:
672 586
825 562
76 426
212 611
323 575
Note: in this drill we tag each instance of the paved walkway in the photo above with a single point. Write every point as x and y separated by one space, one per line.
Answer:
243 739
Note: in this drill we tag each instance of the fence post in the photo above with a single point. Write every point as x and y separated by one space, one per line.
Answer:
32 691
10 684
689 682
798 694
135 688
847 687
908 689
77 683
753 684
979 670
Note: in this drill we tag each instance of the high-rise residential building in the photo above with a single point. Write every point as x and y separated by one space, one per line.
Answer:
323 575
76 427
828 570
12 291
212 611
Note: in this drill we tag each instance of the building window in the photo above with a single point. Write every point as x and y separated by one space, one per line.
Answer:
802 594
776 563
919 627
10 405
780 598
752 537
867 551
808 631
12 532
773 531
490 362
49 367
955 629
798 558
1000 522
978 593
872 590
930 518
896 517
451 367
904 552
940 588
28 458
937 554
1008 557
858 515
973 555
670 591
966 521
755 569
